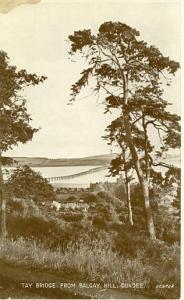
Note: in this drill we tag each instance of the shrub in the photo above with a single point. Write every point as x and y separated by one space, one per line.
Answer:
89 197
102 194
71 199
15 206
166 215
99 222
119 192
32 226
73 217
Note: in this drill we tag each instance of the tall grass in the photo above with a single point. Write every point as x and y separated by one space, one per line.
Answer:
95 260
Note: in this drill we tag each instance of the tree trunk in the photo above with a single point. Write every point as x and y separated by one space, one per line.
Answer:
143 182
130 218
130 142
3 203
127 187
149 219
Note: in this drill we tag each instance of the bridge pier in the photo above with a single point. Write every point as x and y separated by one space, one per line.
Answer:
68 177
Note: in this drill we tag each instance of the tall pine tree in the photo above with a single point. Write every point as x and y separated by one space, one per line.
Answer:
123 67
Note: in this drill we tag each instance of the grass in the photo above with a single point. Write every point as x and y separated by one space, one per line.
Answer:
95 260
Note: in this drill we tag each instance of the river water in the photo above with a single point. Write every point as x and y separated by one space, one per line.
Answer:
81 181
85 180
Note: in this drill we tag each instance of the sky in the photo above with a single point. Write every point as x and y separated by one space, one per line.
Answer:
35 38
8 5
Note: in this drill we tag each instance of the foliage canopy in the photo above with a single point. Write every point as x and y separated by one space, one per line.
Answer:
14 119
26 183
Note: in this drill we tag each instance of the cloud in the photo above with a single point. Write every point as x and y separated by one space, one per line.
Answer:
7 5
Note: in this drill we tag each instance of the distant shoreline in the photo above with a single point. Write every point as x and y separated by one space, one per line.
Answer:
97 160
39 162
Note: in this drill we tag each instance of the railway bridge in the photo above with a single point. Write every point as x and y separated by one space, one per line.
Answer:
67 177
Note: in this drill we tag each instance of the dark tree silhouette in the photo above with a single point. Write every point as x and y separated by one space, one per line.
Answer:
14 119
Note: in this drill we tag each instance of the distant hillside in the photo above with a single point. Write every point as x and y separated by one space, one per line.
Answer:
97 160
59 162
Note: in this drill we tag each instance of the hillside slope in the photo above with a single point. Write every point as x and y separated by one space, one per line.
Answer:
58 162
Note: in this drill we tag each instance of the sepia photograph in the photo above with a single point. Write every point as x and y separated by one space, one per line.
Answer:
90 138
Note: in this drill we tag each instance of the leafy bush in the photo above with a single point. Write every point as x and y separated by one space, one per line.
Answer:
119 191
102 194
73 217
15 207
26 183
89 197
99 222
166 215
32 226
71 199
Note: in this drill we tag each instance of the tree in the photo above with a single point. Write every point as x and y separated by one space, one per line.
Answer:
14 119
130 73
28 184
121 164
